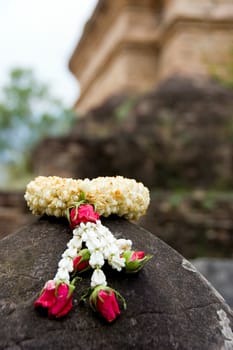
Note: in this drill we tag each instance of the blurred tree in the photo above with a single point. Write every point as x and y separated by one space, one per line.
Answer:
28 112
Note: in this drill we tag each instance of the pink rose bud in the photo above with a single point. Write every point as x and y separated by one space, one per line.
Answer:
137 255
84 213
55 300
81 262
134 261
47 297
103 300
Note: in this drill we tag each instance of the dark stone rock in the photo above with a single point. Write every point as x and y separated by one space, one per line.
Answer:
220 273
170 305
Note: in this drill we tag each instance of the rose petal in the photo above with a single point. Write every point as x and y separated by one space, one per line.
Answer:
107 305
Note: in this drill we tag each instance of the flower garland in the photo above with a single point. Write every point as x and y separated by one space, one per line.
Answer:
111 195
92 244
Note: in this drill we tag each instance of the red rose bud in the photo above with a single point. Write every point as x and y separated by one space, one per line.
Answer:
55 299
81 262
103 300
134 261
47 297
84 213
137 255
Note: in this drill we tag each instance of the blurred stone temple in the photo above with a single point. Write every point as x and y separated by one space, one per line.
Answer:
131 45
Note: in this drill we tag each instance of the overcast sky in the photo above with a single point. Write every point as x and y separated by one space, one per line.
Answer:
42 34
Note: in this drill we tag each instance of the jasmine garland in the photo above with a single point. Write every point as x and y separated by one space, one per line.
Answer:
111 195
91 246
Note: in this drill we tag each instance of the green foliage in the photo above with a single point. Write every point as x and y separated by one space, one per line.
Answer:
28 112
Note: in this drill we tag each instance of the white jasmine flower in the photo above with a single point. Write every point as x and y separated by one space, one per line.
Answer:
116 262
98 278
84 236
106 234
94 243
66 263
78 231
88 225
62 274
98 223
75 242
71 252
124 244
110 250
82 226
96 259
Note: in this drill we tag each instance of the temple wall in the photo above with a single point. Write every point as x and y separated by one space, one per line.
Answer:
132 45
199 9
196 51
109 81
130 65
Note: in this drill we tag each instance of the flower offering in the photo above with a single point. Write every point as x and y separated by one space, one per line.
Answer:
93 245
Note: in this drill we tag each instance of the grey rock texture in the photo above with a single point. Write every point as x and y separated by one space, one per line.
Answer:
170 305
220 273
